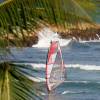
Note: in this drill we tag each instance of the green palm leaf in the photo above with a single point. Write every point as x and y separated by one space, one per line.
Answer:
15 83
18 20
22 17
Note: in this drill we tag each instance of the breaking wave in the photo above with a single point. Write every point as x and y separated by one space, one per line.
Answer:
82 67
73 92
46 36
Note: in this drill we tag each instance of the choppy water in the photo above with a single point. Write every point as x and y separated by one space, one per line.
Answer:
82 61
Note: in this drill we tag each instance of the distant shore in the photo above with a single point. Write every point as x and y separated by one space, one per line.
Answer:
85 32
28 39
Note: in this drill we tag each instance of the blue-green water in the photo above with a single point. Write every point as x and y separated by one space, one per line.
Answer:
82 61
83 80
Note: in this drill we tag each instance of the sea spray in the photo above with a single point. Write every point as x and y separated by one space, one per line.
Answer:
46 36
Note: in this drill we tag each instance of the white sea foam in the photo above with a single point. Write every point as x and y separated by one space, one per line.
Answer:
42 93
98 36
82 41
73 92
37 79
46 36
83 67
66 92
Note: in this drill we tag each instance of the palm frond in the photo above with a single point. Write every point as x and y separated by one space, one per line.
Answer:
15 82
22 17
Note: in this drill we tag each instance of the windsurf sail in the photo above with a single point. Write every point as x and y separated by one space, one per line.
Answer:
55 70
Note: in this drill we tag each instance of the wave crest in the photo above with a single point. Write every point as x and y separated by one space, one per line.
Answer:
83 67
46 36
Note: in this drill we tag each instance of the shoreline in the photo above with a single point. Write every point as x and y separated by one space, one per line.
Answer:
28 39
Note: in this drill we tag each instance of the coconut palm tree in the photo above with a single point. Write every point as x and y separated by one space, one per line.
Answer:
19 19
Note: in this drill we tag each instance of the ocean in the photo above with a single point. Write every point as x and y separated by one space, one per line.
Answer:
82 62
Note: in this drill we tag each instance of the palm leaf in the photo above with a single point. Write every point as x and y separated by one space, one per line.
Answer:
18 19
15 83
22 17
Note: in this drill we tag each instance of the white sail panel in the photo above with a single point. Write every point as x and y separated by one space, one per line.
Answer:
54 66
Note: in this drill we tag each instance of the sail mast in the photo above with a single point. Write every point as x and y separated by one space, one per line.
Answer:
54 66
